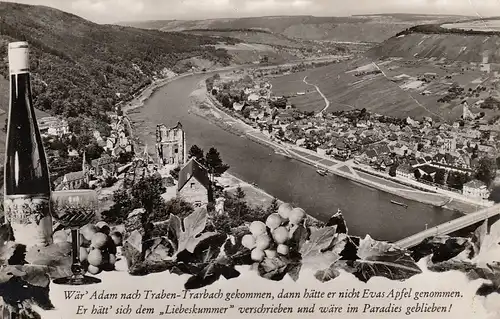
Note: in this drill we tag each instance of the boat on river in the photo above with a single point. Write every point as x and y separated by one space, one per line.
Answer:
282 153
322 172
398 203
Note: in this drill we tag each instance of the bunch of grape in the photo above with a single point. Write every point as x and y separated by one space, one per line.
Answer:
271 239
97 247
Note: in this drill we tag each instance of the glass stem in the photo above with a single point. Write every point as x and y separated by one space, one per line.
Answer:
75 238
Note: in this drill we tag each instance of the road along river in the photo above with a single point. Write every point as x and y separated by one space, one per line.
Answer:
366 210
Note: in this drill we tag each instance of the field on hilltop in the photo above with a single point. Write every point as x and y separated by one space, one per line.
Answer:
251 36
485 24
397 87
368 28
426 70
455 47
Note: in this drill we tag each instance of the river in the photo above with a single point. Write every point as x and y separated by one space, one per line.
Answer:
366 210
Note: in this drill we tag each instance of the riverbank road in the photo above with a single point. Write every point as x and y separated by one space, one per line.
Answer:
419 192
395 182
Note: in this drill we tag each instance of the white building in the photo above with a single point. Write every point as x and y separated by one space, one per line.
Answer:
477 189
52 126
405 171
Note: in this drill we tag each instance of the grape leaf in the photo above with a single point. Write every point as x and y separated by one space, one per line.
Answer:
188 233
207 263
478 237
314 251
338 220
151 266
7 251
442 248
490 247
299 237
34 275
160 248
452 264
378 258
56 257
294 271
327 274
8 272
238 254
135 240
22 286
7 246
491 273
205 252
273 268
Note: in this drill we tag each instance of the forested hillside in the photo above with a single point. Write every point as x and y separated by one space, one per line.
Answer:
82 68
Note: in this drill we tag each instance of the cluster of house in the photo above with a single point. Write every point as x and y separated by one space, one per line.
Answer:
118 142
254 98
53 126
425 146
98 169
375 141
194 184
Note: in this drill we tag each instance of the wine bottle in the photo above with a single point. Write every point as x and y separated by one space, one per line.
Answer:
26 177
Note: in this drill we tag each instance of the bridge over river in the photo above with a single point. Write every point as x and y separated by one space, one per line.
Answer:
451 226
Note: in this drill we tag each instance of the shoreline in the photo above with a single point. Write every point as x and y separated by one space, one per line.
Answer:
204 106
255 195
406 191
149 90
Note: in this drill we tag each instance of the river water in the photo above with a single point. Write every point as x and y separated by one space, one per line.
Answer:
366 210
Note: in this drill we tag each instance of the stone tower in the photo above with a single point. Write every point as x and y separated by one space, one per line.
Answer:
171 145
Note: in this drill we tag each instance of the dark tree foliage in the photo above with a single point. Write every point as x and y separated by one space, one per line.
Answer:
438 29
146 193
197 153
239 212
79 67
175 172
486 171
392 170
417 174
125 157
214 162
428 178
457 180
93 151
440 176
176 206
273 207
240 193
279 103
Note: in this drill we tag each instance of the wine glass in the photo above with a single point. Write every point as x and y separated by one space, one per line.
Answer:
74 215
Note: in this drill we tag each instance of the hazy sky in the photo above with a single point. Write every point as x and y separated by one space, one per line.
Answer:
109 11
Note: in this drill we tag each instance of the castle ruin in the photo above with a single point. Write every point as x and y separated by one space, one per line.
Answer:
171 145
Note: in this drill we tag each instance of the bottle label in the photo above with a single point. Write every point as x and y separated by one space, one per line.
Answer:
18 58
30 218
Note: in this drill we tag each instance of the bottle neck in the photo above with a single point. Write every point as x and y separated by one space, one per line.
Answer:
20 83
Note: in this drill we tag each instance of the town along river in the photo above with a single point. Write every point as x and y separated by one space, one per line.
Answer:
366 210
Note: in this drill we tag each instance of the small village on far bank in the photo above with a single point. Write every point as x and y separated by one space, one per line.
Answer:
459 157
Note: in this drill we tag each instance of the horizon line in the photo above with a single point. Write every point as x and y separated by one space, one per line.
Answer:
314 16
